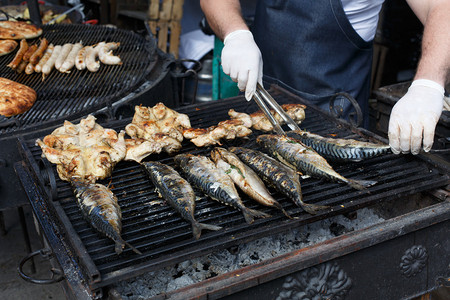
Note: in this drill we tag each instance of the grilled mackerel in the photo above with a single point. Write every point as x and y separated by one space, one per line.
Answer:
177 192
201 172
244 177
343 150
305 160
100 208
283 178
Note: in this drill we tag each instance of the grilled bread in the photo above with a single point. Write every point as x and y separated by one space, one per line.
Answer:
7 46
11 30
15 98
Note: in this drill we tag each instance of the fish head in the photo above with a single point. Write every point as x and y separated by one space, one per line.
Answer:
266 140
227 156
218 153
149 164
78 184
182 159
236 150
299 132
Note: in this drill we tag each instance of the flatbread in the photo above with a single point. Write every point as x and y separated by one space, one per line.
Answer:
11 30
7 46
15 98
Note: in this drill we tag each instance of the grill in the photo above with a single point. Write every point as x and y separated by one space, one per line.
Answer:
110 93
164 238
81 92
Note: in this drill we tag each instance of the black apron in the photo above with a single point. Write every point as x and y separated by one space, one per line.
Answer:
310 48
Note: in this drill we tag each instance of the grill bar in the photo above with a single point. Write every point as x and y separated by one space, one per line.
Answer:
165 239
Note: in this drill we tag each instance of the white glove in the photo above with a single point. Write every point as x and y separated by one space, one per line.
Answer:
242 61
415 116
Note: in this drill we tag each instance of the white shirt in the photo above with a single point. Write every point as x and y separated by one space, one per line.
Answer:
363 15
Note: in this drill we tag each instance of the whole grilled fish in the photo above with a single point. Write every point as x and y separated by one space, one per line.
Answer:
277 174
304 159
100 208
178 192
339 149
244 177
202 172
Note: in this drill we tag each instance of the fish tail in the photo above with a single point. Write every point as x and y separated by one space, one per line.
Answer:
129 245
198 227
361 184
251 214
120 244
313 208
309 207
278 205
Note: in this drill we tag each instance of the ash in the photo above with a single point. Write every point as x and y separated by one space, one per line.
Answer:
219 262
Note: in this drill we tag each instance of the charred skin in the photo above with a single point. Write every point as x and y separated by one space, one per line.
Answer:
177 192
305 160
100 208
201 172
284 179
342 150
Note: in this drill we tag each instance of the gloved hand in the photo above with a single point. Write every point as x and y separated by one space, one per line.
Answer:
415 117
242 61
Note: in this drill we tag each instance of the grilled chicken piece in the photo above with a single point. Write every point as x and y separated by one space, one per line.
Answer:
228 129
138 149
245 118
155 129
259 121
239 125
158 119
85 152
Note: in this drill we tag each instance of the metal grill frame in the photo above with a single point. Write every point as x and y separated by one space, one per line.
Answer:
238 231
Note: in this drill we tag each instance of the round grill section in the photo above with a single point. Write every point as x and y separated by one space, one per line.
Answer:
62 96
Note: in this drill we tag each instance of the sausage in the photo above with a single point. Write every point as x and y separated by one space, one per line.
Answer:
29 53
80 62
48 66
21 67
18 58
65 50
39 53
91 59
43 60
29 69
105 54
70 59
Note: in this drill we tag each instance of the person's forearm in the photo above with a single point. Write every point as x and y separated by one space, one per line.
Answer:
434 63
224 16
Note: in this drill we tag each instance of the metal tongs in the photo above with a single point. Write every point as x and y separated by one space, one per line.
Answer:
262 97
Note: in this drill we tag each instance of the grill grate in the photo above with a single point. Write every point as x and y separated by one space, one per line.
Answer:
164 238
61 95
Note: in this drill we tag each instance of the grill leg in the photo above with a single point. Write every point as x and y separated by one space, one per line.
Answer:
26 236
2 224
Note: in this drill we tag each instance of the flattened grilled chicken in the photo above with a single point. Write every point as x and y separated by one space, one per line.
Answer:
155 129
158 119
259 121
85 152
